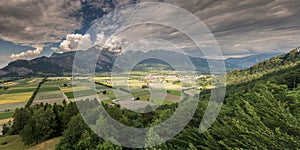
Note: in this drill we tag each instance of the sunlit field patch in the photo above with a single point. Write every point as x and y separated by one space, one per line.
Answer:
8 83
78 88
16 97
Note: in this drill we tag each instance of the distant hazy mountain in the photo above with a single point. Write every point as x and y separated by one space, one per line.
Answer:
251 60
60 64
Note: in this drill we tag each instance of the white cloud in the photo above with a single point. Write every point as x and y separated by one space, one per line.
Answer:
100 38
54 48
30 54
75 42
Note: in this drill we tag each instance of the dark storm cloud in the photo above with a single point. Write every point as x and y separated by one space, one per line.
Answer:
247 26
32 22
250 26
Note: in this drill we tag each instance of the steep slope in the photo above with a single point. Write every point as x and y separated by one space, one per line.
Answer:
274 64
261 112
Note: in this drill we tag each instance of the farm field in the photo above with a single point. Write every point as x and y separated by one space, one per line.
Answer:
16 94
6 115
50 91
81 93
12 106
14 98
48 95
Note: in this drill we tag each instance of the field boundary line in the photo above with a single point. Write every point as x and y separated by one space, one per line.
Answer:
63 94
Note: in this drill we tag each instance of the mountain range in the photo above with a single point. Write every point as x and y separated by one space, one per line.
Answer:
61 64
248 61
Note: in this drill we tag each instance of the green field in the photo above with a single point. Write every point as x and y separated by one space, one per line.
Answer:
110 94
107 101
21 90
49 95
5 115
2 91
48 89
174 92
82 93
144 95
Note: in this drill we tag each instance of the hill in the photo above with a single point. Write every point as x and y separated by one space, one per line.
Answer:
259 112
274 64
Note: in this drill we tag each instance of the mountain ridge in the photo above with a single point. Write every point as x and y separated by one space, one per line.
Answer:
61 64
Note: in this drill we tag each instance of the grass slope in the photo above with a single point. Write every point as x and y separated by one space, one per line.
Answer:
47 145
13 142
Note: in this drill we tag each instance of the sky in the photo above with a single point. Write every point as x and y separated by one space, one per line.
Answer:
30 28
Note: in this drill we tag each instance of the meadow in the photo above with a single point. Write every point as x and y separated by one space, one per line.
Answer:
6 115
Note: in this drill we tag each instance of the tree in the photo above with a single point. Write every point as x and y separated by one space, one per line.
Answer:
72 134
6 128
69 111
107 145
88 140
145 86
152 138
104 92
21 117
40 127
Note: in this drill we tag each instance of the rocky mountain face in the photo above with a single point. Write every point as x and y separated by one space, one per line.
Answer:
56 65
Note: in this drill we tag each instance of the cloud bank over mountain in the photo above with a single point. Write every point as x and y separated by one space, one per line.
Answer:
30 54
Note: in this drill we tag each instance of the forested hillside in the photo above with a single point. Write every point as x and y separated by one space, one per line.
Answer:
272 65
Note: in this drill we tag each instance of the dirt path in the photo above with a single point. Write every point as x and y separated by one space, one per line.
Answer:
63 94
